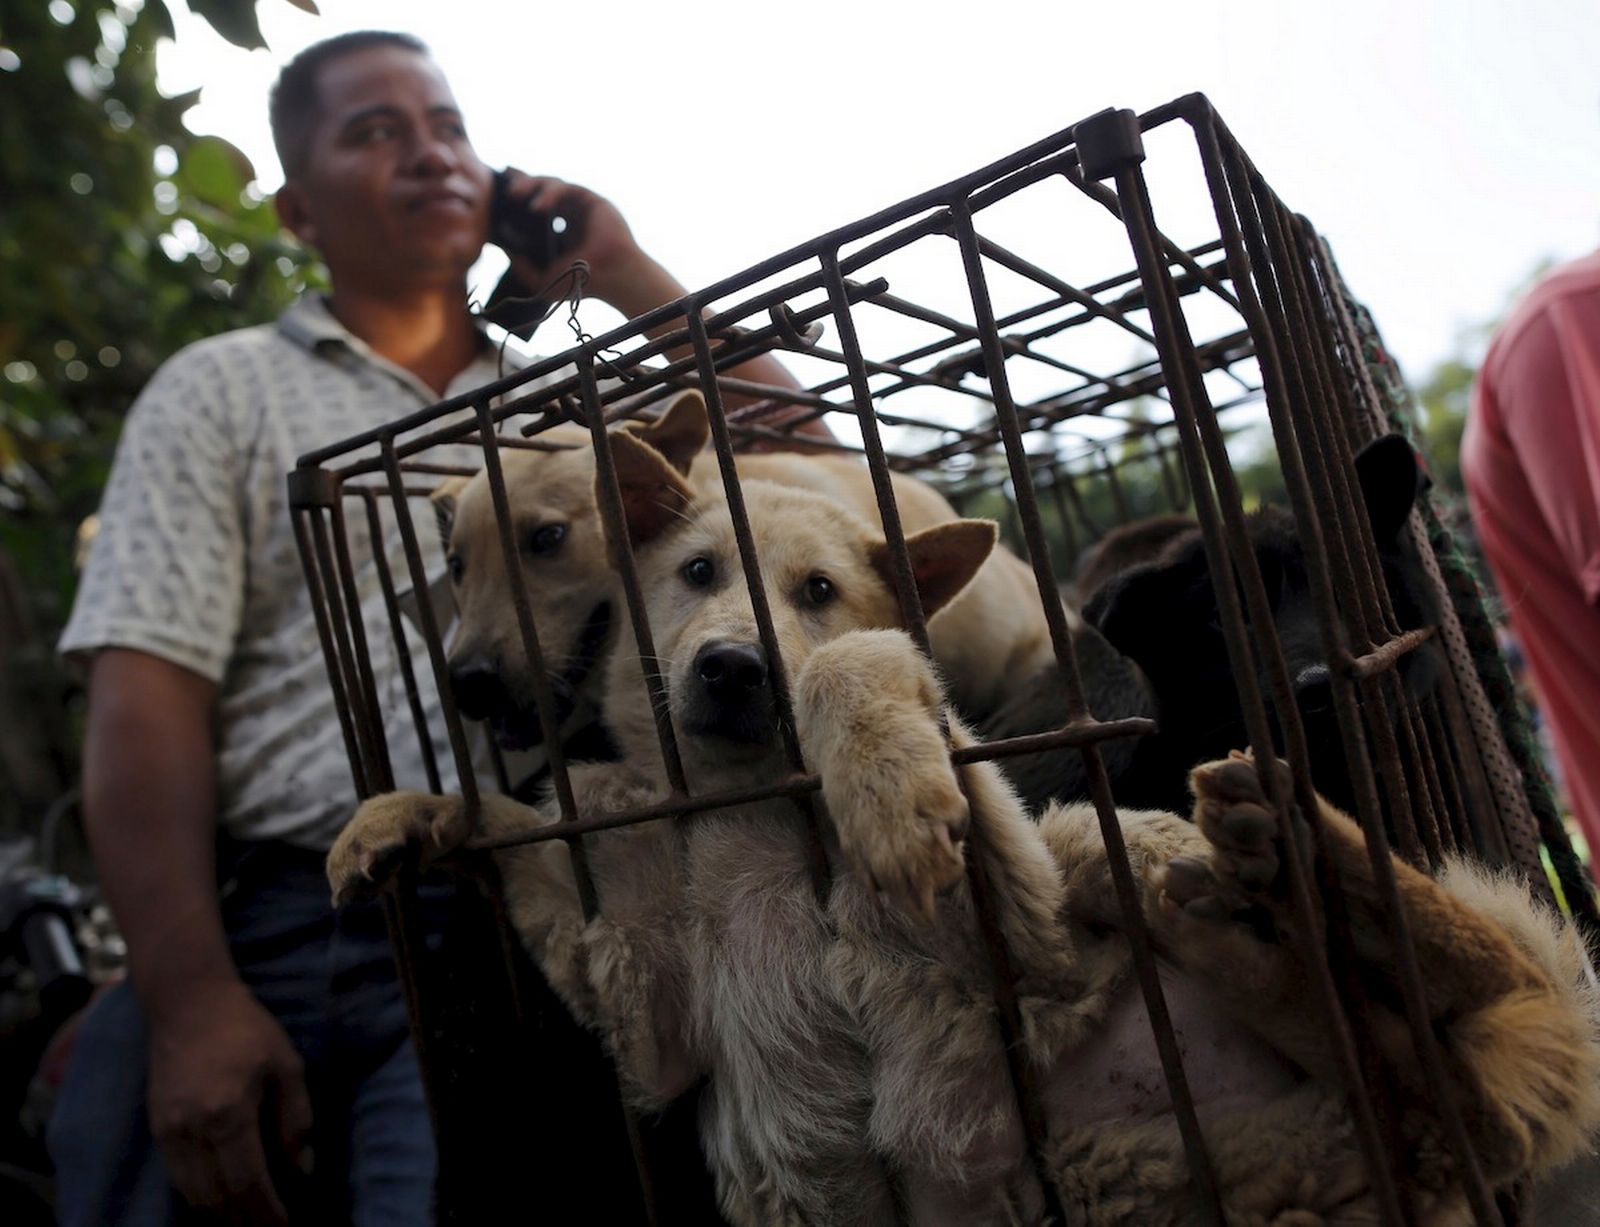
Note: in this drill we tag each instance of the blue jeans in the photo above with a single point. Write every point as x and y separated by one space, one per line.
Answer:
329 979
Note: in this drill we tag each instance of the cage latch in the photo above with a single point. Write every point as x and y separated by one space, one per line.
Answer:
1108 141
310 488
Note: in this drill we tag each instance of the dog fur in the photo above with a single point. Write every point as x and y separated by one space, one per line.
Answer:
1152 646
1126 545
850 1048
1164 617
995 631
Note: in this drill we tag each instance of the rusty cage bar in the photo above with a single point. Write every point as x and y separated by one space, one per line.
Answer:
1052 391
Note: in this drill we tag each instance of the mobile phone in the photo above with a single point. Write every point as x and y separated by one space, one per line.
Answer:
539 235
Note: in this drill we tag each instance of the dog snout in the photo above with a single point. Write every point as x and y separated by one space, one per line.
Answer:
732 699
731 671
1313 688
478 689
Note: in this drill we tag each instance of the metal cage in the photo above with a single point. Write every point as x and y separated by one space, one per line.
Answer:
1020 382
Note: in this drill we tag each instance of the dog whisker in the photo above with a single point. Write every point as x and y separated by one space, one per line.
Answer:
672 510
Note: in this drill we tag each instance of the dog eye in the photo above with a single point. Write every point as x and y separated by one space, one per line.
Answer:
547 538
457 567
819 590
699 571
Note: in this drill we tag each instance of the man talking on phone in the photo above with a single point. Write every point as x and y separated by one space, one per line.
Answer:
261 1037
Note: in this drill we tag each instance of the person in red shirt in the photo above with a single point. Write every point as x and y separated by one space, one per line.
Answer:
1531 461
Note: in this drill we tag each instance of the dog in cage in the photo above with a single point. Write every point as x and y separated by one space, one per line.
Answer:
1163 615
1127 545
1152 645
993 632
853 1067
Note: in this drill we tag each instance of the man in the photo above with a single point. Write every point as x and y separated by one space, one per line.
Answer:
1531 460
265 1033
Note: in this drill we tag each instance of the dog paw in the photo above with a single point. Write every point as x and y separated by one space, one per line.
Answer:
868 705
1239 872
384 831
902 830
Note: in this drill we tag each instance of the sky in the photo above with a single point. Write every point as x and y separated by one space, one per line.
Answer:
1444 149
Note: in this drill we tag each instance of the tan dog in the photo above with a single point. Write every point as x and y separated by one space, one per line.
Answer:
851 1052
995 633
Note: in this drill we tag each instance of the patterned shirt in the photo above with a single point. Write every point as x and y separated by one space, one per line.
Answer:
195 560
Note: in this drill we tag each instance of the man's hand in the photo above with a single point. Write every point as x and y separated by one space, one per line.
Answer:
624 276
220 1064
222 1075
600 235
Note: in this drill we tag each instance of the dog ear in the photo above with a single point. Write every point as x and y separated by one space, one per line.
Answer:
1136 608
944 559
681 432
444 499
654 494
1392 478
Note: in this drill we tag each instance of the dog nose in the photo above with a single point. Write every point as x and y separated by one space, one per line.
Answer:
1313 688
478 690
732 670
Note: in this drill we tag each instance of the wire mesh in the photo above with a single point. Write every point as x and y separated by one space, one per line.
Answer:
983 337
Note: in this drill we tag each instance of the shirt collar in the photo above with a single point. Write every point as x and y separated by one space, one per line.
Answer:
310 323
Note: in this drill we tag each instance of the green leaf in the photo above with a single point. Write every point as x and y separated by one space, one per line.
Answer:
157 9
214 172
235 20
307 6
175 106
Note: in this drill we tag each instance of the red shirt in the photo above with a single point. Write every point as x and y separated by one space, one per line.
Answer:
1531 460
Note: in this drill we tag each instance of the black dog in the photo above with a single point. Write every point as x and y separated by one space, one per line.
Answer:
1124 546
1154 647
